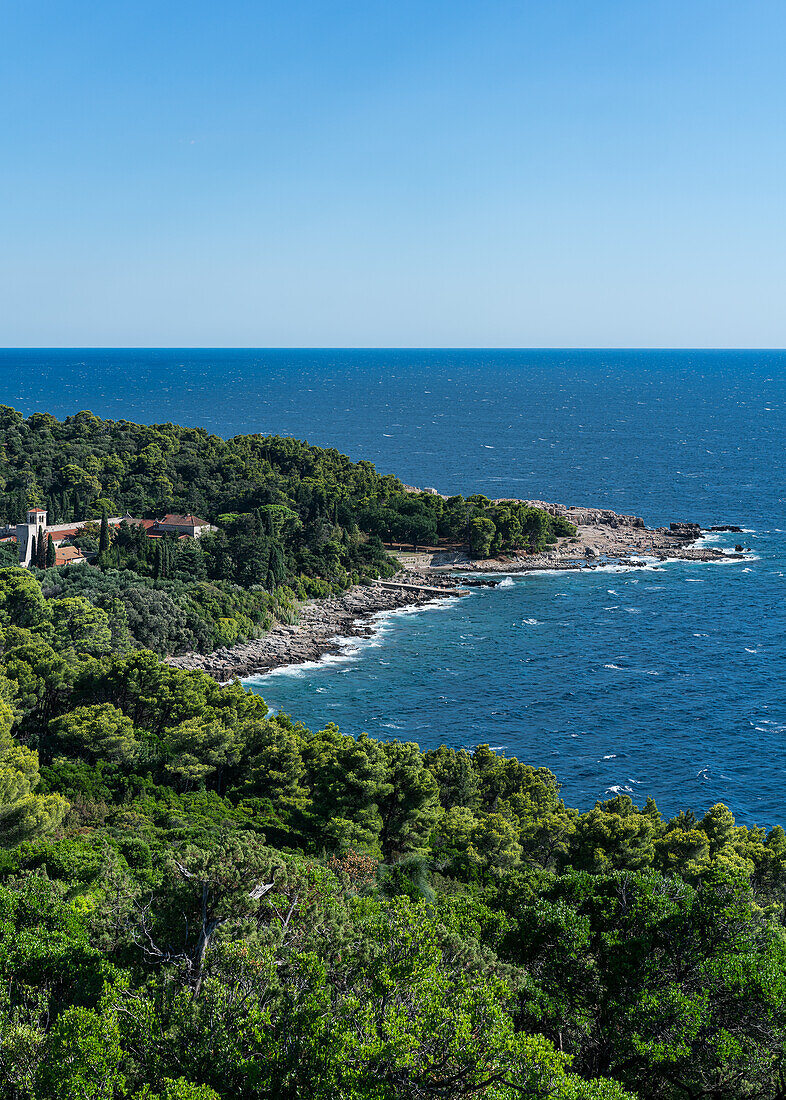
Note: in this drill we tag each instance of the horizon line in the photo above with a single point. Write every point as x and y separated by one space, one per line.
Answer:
382 347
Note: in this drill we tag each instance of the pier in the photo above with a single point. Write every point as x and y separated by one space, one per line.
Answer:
423 589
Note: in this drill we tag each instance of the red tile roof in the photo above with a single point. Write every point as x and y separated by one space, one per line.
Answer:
64 554
184 521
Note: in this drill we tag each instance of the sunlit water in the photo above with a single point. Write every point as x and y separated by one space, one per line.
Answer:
666 682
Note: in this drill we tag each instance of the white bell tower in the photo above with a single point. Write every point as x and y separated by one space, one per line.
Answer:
36 520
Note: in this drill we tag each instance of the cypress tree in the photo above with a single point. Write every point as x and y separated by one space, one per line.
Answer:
103 538
33 550
157 562
51 556
41 549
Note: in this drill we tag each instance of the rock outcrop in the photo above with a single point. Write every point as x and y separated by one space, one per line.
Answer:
322 625
685 530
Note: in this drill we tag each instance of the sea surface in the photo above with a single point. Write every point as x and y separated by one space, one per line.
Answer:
666 682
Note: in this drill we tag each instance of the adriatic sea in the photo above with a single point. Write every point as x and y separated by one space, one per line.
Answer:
667 682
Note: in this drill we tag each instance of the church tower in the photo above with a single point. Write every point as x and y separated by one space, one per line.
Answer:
36 521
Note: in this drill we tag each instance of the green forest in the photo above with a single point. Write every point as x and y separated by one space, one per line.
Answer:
294 522
203 900
200 899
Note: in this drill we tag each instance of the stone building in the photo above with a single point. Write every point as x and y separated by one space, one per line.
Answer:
192 526
25 532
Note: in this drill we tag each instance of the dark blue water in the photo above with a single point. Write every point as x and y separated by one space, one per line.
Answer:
667 682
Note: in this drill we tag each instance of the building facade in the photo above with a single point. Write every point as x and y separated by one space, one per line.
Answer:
26 532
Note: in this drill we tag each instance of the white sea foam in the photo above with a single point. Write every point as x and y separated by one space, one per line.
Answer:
299 670
610 756
617 668
532 622
350 648
507 582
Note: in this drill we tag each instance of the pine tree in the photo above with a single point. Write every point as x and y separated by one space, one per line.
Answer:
51 556
103 538
40 553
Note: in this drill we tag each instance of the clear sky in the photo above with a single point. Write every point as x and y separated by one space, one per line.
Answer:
393 173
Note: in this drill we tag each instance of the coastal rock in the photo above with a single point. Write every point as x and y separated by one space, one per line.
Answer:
685 530
601 517
324 627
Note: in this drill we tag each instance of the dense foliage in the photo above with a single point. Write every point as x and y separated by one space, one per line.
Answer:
176 614
201 900
288 512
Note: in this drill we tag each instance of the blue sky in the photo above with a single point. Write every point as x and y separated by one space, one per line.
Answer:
528 173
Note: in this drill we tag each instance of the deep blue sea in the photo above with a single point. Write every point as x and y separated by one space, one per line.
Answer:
666 682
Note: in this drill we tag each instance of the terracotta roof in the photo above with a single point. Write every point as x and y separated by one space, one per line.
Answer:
64 554
184 521
147 523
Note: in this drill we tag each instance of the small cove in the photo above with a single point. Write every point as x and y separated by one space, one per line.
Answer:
664 683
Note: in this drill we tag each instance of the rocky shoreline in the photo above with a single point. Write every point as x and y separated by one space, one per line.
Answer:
321 624
603 538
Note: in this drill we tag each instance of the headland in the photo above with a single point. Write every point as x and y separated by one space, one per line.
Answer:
603 537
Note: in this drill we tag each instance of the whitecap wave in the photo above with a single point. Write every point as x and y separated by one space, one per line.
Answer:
350 648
